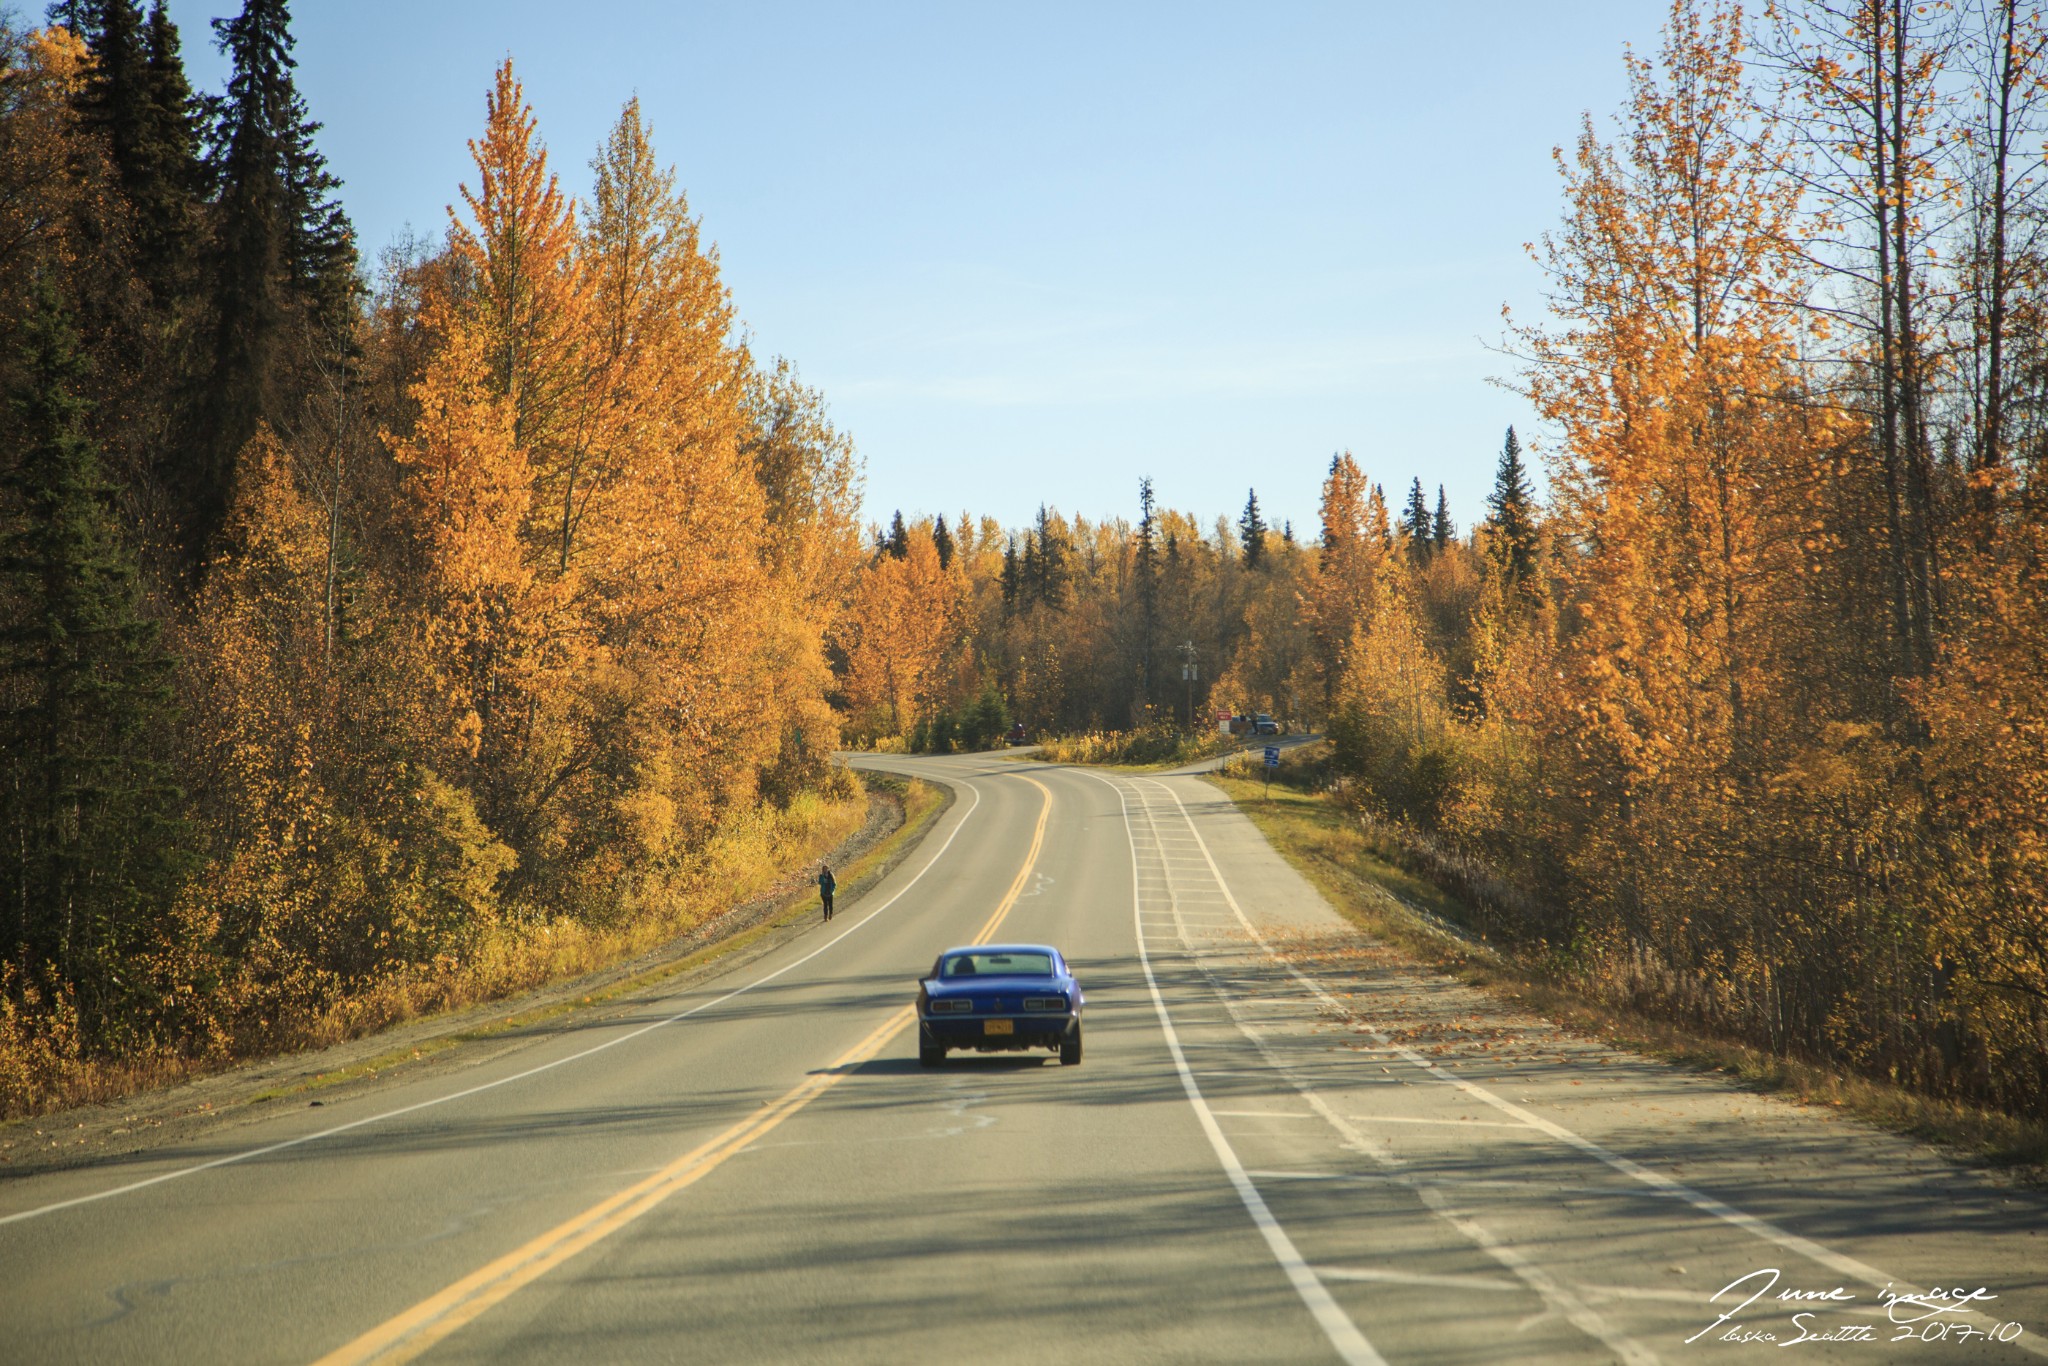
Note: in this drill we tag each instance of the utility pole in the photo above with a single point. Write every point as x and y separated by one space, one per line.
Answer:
1188 673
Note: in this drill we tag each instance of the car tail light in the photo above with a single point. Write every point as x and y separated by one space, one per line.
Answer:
1045 1003
949 1007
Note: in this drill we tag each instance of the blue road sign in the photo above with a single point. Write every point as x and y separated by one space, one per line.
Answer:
1272 756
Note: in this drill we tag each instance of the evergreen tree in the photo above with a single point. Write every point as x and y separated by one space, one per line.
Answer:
1009 579
1287 531
942 541
1251 531
83 697
75 15
898 543
1051 582
1415 524
281 245
138 98
1031 573
166 167
1511 537
111 99
1442 530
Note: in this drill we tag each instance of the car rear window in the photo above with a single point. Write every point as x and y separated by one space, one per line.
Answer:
998 964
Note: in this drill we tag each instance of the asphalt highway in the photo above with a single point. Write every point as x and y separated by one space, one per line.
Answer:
1283 1144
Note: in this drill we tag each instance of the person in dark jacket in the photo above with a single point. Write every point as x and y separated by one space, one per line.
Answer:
826 882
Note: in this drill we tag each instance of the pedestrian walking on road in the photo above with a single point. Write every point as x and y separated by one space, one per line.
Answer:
826 882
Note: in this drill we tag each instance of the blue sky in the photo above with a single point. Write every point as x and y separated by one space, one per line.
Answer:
1031 253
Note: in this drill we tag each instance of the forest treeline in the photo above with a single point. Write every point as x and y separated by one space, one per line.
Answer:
365 634
1747 721
362 631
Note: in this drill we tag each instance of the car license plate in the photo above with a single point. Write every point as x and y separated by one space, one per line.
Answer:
999 1026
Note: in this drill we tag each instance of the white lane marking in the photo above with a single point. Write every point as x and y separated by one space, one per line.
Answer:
1375 1275
1576 1311
1453 1123
1361 1273
1706 1204
1691 1299
1560 1300
1337 1326
303 1139
1260 1114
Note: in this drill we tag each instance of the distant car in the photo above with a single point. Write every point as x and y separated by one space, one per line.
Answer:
999 998
1263 724
1017 734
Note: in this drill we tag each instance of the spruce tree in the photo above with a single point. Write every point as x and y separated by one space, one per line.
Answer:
75 15
1031 573
1442 530
165 171
1415 524
111 98
1052 561
1511 537
84 697
942 541
1251 531
281 246
137 97
898 543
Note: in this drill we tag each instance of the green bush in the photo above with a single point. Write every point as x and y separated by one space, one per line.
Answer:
1410 778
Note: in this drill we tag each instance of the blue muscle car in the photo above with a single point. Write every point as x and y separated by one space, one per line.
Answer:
999 998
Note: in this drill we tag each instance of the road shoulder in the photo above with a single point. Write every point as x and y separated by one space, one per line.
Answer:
1404 1046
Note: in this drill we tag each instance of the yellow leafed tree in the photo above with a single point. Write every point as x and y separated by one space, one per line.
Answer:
896 636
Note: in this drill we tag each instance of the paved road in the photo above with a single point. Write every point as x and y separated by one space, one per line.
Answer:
1284 1145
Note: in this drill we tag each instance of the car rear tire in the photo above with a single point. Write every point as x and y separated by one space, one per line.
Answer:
1070 1048
930 1056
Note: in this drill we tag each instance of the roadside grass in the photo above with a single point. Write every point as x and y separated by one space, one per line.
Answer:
1314 834
767 854
1135 751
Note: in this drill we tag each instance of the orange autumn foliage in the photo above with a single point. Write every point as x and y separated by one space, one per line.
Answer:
507 651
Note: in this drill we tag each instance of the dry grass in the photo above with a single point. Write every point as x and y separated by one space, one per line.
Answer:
767 854
1141 750
1317 836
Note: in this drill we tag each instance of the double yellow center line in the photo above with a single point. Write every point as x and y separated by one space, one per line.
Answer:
411 1333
